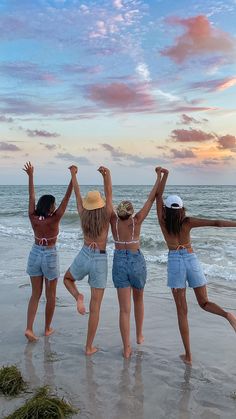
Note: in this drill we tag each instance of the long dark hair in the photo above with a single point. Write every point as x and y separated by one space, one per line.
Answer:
174 219
44 205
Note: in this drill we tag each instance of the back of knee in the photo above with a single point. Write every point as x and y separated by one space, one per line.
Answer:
203 304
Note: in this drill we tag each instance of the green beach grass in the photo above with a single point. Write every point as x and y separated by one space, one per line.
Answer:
43 405
11 381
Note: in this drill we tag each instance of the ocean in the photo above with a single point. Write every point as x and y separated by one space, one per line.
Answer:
154 383
215 246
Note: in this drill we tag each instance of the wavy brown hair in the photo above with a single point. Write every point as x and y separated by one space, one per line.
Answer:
174 219
94 221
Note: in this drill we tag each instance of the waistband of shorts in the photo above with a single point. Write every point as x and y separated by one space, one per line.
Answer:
40 248
127 252
183 251
93 250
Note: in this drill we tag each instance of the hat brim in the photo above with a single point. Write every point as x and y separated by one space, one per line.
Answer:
92 206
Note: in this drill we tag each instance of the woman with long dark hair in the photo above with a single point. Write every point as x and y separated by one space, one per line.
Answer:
43 261
95 213
183 266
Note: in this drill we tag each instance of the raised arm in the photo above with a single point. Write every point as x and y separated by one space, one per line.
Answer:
159 195
29 169
62 207
142 214
105 172
79 202
201 222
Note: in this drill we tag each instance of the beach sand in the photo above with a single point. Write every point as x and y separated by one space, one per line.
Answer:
153 384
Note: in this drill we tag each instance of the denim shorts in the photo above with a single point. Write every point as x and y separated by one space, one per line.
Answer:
43 261
129 269
184 267
92 263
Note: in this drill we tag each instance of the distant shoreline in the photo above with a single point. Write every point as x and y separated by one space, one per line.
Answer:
128 185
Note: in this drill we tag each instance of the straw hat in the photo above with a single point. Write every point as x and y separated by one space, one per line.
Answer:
93 200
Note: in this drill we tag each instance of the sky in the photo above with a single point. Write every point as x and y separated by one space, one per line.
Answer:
128 84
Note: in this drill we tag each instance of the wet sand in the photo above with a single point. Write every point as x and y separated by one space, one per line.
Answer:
154 383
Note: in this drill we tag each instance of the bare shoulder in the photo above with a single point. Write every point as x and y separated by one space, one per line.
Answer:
137 219
110 213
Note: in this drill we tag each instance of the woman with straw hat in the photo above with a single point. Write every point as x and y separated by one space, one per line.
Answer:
95 214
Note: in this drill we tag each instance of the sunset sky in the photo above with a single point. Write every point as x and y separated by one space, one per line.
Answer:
129 84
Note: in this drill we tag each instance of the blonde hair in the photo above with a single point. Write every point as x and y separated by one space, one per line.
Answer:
93 222
124 210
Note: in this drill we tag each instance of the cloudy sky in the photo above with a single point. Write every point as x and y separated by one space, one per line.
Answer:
130 84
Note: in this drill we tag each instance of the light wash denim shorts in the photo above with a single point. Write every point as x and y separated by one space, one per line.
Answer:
184 267
43 261
129 269
90 262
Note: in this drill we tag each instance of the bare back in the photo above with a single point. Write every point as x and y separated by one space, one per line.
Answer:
126 232
45 230
181 240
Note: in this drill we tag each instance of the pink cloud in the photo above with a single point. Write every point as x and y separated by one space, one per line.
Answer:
187 120
217 161
120 95
215 85
191 135
182 154
199 38
227 142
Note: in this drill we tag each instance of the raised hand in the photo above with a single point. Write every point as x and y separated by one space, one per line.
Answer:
73 169
158 169
103 170
164 170
28 168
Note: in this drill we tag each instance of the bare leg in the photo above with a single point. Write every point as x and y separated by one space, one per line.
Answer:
138 313
94 311
179 295
69 283
37 286
124 297
50 292
205 304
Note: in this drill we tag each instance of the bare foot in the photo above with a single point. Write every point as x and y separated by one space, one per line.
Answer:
186 359
91 351
232 319
49 331
127 352
30 336
80 304
140 339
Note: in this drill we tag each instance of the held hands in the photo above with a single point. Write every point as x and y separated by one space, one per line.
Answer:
28 168
73 169
165 171
160 169
103 170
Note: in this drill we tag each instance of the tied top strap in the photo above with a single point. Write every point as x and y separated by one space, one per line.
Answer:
183 246
93 246
43 241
